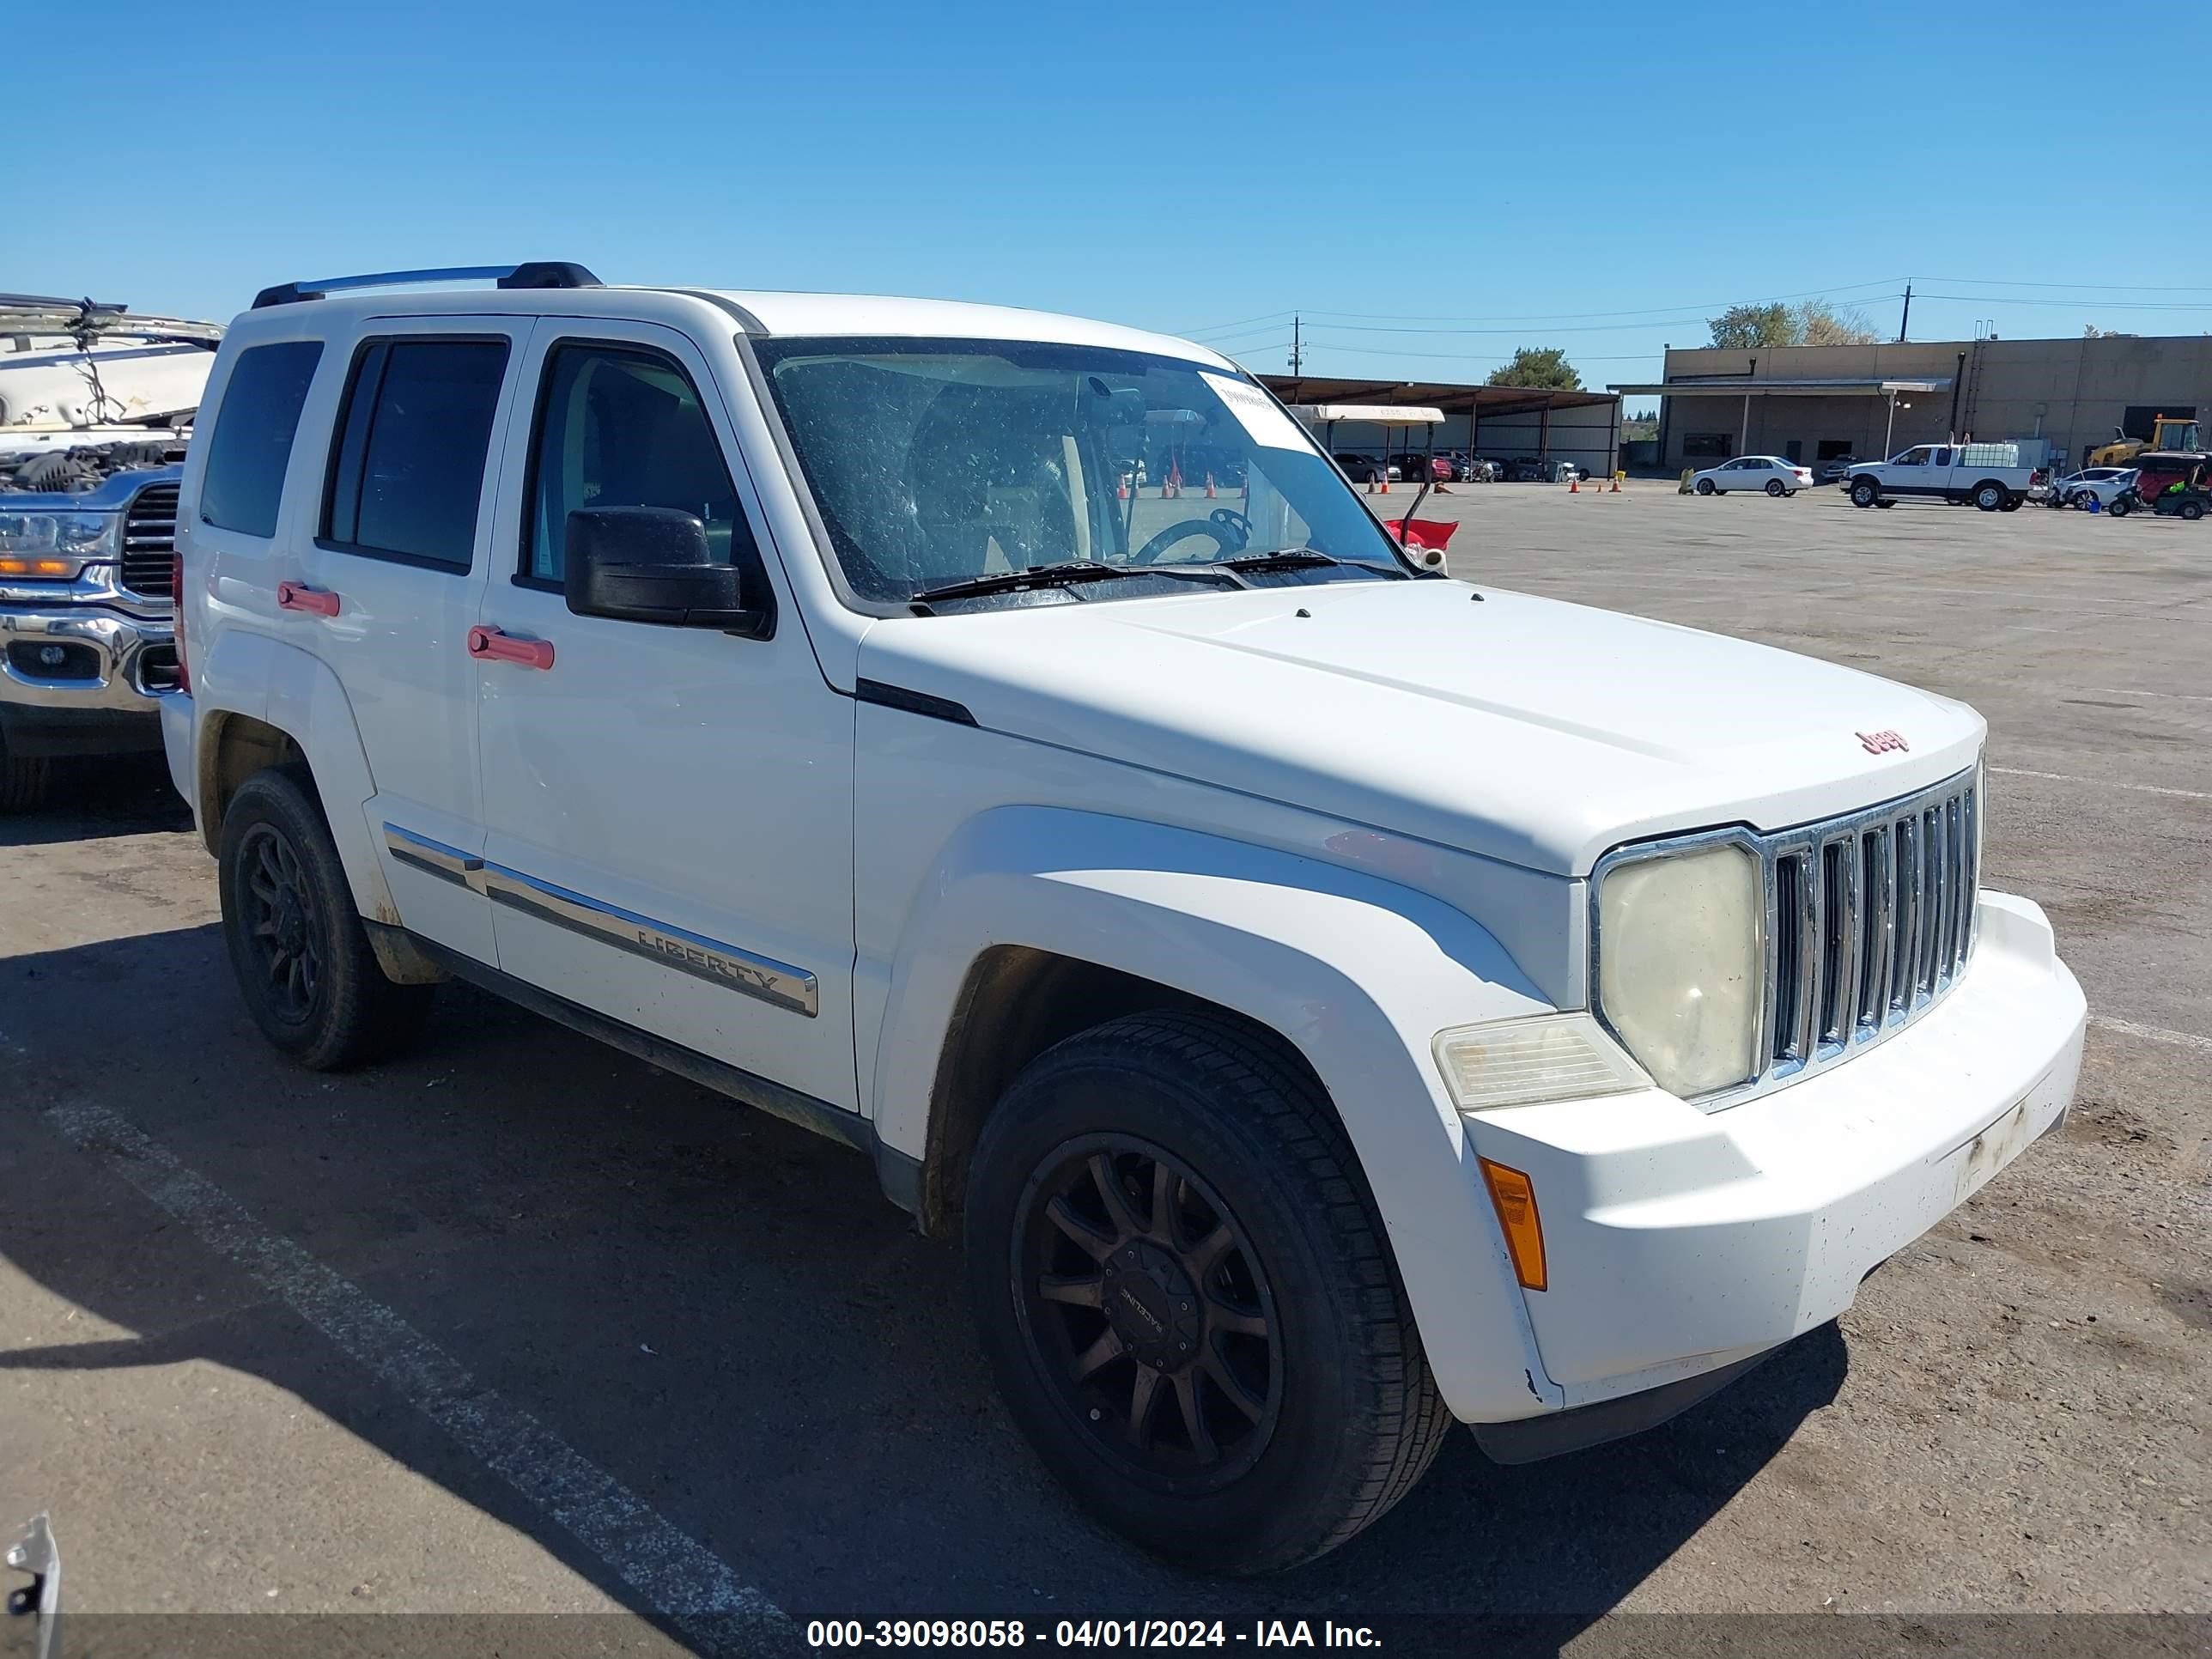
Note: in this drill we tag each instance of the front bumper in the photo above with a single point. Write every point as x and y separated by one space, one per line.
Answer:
122 664
1680 1242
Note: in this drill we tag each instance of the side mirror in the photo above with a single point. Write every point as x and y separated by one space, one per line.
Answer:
652 564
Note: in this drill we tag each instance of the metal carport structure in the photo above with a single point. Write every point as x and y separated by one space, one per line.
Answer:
1500 420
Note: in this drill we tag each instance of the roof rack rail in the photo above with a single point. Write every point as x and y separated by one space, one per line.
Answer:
531 273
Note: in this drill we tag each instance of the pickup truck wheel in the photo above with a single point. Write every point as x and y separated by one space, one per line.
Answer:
24 780
1990 497
2012 504
1185 1293
1774 489
302 957
1866 493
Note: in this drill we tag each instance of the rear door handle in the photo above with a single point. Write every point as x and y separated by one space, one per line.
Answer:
490 645
298 596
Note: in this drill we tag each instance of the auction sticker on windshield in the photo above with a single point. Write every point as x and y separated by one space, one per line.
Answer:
1258 413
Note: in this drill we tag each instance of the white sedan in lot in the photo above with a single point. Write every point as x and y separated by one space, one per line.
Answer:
1771 473
2100 483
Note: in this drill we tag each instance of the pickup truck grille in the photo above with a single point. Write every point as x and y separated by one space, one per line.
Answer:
149 537
1871 921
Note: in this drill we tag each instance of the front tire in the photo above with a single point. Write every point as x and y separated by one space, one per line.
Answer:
1866 493
1185 1293
1704 487
302 959
25 780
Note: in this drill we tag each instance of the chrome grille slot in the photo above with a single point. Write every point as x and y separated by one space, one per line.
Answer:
1869 923
149 539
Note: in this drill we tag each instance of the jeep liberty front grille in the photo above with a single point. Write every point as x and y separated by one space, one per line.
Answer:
1870 922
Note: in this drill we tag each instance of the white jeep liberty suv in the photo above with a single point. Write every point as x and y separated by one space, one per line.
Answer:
1329 999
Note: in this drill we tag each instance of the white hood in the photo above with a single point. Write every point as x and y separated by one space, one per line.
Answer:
1521 728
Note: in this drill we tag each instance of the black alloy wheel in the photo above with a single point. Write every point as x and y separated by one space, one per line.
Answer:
1141 1294
284 928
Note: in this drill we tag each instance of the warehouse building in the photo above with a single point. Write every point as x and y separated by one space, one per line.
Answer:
1815 404
1498 422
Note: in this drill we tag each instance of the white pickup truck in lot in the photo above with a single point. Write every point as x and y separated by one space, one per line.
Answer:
1992 476
1327 999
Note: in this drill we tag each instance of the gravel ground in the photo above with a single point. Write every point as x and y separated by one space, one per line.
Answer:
520 1325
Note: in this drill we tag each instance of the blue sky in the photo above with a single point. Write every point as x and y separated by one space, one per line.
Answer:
1431 192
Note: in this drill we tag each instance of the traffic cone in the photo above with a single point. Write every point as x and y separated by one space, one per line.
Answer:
1574 486
1616 483
1121 489
1371 483
1209 486
1386 483
1244 489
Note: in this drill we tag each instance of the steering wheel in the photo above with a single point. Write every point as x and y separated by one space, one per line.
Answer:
1231 530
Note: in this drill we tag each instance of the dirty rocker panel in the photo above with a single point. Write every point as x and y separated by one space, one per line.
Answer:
752 975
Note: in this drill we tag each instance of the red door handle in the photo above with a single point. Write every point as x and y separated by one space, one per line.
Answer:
490 645
298 596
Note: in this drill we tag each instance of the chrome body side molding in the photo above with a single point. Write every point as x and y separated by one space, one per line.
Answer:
746 972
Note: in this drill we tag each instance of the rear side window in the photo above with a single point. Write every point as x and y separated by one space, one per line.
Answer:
252 441
407 473
619 426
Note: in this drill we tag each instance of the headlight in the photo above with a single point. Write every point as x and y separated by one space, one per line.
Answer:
53 546
1681 948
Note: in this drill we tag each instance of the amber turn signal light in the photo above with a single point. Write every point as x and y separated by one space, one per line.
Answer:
38 568
1514 1197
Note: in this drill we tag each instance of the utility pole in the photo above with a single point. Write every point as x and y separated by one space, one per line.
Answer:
1297 346
1904 322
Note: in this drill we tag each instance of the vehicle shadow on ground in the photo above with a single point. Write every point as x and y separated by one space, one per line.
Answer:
718 1309
95 798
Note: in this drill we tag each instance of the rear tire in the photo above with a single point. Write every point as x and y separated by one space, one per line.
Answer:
302 957
2191 511
1173 1192
1774 489
1990 497
25 780
1865 493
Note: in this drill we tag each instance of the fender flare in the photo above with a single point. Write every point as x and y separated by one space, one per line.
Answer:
295 691
1357 972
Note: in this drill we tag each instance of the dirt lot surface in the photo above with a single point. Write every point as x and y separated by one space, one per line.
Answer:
522 1326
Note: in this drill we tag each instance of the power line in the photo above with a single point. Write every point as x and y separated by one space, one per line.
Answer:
1572 316
2100 288
1216 328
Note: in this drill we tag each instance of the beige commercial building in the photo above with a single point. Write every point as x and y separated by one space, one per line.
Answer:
1813 403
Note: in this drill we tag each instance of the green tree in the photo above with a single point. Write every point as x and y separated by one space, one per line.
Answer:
1815 322
1746 327
1545 368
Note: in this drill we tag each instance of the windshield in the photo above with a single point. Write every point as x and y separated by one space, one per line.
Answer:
938 461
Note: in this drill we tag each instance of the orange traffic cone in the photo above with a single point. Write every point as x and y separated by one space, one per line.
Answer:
1209 486
1386 483
1121 489
1575 486
1616 483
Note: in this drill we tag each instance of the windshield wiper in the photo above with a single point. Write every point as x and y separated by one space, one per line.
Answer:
1071 573
1298 558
